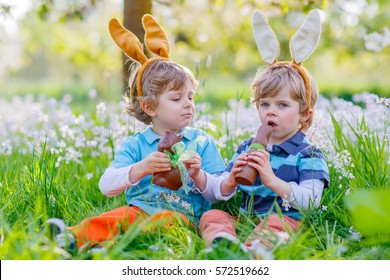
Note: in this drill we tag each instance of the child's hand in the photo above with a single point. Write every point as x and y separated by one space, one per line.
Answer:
153 163
156 162
193 166
260 161
242 159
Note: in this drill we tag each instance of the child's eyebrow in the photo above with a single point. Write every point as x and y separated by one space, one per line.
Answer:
283 100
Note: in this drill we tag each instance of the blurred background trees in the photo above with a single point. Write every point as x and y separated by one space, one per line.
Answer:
58 47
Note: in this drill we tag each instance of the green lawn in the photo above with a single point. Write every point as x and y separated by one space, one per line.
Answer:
52 159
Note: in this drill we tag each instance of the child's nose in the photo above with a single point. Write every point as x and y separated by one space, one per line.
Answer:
271 110
187 103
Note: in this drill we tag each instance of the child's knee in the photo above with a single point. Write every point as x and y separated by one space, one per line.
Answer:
214 214
215 218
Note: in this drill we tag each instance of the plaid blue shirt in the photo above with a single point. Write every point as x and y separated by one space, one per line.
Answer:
295 160
152 198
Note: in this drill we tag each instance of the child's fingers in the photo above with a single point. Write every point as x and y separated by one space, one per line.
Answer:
163 167
240 163
236 169
259 157
261 153
243 156
195 166
194 159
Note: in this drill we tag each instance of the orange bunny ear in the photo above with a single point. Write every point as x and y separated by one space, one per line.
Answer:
127 41
155 39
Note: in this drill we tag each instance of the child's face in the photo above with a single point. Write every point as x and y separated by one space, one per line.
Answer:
175 109
282 113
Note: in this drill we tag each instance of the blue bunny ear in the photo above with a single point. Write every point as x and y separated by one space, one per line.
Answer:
266 40
305 40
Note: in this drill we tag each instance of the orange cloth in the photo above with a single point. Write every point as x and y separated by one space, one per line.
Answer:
106 226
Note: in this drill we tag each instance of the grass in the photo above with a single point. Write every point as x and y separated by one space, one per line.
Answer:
33 188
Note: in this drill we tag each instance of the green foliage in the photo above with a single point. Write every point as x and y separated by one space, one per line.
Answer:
368 153
69 42
370 210
72 11
33 189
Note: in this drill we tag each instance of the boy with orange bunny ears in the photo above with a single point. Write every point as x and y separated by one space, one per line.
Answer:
292 172
161 95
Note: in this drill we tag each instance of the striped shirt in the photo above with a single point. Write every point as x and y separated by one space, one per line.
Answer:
295 160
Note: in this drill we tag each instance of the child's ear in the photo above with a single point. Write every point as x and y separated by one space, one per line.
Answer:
148 108
306 115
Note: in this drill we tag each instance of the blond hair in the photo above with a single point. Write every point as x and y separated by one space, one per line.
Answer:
160 76
269 81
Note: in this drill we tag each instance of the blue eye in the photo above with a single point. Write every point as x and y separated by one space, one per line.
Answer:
264 105
282 105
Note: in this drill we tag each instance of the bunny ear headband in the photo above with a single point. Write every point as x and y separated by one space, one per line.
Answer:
155 41
302 43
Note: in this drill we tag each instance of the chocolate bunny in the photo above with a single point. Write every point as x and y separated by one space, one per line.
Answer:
169 179
248 174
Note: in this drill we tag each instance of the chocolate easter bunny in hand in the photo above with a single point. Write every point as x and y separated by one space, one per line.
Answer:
302 44
248 174
169 179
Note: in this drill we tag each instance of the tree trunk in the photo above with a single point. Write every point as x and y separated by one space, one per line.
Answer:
133 11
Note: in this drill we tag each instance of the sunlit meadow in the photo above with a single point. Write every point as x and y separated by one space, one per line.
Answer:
52 159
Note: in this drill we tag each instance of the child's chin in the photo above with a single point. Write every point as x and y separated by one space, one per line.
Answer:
186 123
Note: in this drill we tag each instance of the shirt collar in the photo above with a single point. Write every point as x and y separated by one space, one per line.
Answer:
151 136
291 144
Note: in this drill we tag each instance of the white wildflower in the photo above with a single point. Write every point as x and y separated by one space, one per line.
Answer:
185 205
101 108
154 248
52 200
283 237
376 42
80 120
354 235
92 93
67 98
286 203
6 148
260 251
97 250
58 162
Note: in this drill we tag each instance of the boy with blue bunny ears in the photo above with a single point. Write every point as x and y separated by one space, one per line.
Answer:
292 172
